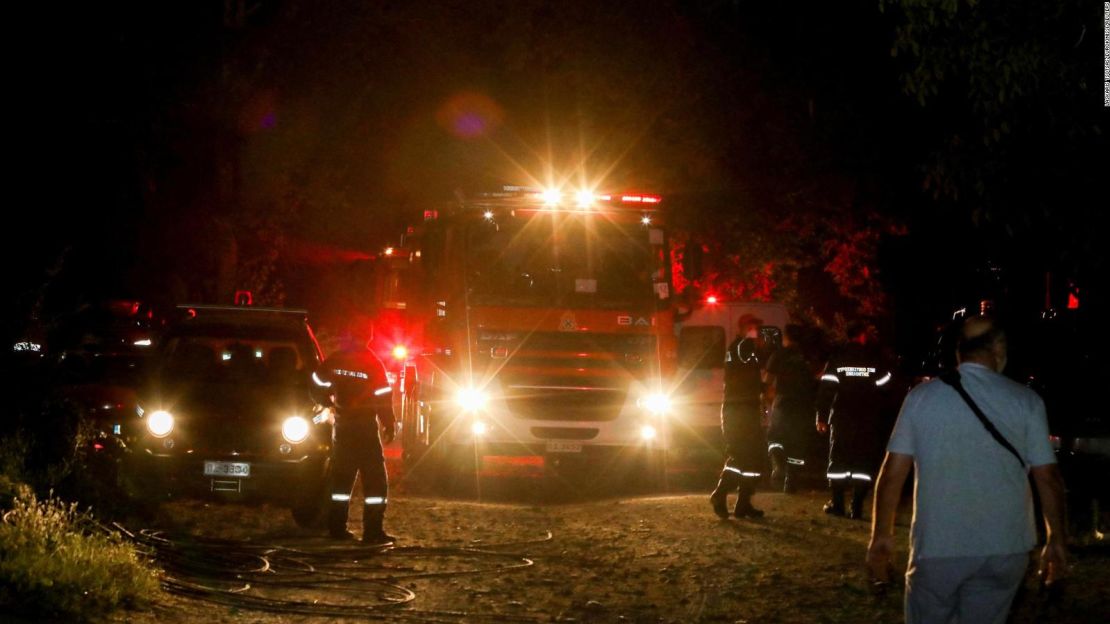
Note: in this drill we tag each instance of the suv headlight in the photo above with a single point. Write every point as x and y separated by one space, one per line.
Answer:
159 423
294 429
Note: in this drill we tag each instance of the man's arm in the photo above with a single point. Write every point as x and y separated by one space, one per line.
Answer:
888 493
1050 488
826 392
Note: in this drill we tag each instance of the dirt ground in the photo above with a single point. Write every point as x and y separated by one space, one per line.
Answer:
624 558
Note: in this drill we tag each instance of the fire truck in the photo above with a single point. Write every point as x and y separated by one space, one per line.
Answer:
546 328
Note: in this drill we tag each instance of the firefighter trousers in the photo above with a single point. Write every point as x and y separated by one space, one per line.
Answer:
357 450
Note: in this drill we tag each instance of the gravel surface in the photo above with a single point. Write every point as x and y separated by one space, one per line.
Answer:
633 559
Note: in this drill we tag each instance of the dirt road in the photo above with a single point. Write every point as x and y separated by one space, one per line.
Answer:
641 559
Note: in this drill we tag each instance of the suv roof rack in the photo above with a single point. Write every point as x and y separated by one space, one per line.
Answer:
231 308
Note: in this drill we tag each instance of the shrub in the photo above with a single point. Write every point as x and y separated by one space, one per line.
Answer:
57 562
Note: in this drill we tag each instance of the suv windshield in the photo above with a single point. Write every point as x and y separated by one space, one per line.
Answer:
264 356
583 261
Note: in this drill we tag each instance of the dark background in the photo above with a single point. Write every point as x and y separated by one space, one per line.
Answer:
891 160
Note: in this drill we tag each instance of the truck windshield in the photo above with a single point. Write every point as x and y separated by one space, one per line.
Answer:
566 260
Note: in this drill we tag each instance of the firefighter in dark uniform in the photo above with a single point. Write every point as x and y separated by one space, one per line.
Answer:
790 375
852 396
363 408
741 422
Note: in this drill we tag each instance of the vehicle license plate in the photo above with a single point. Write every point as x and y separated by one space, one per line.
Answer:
226 469
564 447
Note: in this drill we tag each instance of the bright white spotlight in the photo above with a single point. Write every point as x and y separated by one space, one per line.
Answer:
584 198
160 423
478 428
657 403
470 399
551 197
647 432
294 429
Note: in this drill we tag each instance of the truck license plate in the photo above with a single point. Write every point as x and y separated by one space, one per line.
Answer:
227 469
564 447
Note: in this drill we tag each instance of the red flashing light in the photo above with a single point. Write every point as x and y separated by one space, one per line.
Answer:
400 352
711 299
1073 301
243 298
431 215
641 199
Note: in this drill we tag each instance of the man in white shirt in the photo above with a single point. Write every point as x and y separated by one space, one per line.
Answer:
973 524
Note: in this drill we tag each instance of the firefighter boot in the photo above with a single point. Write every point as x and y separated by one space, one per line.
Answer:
835 506
744 508
337 521
778 467
719 497
372 531
788 482
859 493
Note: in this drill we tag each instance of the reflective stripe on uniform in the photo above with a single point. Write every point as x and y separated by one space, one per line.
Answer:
882 380
743 473
320 382
341 498
383 390
861 476
796 462
375 500
831 378
774 445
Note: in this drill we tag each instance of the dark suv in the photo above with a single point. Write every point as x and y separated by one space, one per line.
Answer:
227 411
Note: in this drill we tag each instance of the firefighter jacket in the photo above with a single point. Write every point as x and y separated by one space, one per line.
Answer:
359 386
743 362
854 383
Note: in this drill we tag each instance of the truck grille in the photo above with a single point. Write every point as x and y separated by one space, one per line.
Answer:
565 403
572 376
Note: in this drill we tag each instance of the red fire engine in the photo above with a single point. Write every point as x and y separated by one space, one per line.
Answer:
538 323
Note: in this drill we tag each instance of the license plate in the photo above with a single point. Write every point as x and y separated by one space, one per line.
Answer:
564 447
227 469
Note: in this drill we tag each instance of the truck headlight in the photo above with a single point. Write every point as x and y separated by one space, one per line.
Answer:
478 428
159 423
294 429
647 432
471 399
656 403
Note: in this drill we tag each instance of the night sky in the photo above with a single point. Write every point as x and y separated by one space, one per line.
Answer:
873 158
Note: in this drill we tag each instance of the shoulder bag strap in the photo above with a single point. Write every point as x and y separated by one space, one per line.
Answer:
952 378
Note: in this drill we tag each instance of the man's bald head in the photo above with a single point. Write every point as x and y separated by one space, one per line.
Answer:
982 341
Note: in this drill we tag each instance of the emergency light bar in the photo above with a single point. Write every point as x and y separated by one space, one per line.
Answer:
556 199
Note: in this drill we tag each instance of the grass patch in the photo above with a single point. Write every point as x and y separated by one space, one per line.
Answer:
57 562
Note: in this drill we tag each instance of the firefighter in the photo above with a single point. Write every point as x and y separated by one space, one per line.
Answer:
852 397
741 421
360 393
791 376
